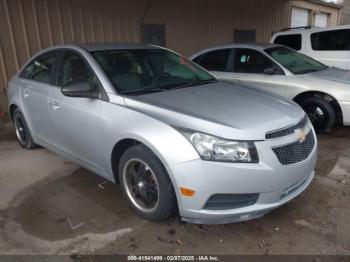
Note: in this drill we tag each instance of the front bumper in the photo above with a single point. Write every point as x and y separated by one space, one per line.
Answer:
345 108
275 183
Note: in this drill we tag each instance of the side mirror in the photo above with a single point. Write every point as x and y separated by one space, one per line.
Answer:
80 89
270 71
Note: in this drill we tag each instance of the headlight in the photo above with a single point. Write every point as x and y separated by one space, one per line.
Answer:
219 149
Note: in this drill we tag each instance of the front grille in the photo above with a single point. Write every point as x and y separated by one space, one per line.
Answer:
286 131
230 201
295 152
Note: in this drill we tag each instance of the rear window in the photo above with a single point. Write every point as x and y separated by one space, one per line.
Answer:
214 60
41 68
293 41
335 40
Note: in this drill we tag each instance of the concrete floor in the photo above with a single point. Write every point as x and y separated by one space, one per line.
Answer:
49 205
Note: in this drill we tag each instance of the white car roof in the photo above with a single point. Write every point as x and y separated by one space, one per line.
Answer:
256 46
312 29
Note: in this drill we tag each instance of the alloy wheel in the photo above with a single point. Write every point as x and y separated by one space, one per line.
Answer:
316 115
20 130
141 185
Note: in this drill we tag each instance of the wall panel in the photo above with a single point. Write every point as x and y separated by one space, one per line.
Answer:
27 26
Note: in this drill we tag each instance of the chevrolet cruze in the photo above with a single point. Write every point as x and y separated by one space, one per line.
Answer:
174 137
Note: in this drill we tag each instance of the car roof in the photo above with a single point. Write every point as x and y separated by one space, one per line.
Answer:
248 45
312 29
111 46
101 46
256 46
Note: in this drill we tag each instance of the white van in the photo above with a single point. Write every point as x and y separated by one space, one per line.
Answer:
329 45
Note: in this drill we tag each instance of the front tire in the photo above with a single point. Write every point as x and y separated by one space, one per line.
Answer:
146 184
23 135
320 112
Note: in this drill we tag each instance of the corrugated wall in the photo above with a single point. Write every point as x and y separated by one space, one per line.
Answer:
345 14
195 24
27 26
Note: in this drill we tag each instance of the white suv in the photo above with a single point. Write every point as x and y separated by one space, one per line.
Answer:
329 45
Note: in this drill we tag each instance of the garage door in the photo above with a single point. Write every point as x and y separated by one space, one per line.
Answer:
321 19
300 17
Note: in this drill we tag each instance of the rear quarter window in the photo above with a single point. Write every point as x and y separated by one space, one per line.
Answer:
40 69
292 40
333 40
214 60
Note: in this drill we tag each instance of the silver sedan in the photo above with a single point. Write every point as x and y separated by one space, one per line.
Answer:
173 136
322 91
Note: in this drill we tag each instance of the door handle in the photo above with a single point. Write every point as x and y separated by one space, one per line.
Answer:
236 81
25 91
54 105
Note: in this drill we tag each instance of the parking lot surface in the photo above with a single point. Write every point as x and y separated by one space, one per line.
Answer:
48 205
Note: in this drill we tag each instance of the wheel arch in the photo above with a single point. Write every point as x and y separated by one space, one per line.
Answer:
122 145
119 148
329 98
12 109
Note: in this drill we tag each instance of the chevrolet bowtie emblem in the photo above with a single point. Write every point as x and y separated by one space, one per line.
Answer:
301 135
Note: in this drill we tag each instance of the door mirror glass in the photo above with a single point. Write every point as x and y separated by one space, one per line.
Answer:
270 71
80 89
76 78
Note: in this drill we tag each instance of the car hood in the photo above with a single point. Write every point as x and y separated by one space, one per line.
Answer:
221 109
333 74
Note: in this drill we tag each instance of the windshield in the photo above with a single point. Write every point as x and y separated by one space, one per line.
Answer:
137 71
295 62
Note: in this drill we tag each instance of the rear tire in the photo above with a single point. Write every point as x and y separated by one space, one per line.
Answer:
23 135
320 112
146 185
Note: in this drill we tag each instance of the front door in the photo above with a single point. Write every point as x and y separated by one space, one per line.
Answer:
252 68
78 121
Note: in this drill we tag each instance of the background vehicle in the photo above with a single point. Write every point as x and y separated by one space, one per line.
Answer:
171 134
323 92
329 45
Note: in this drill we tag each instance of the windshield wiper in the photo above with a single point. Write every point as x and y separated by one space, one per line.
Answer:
157 89
195 83
306 71
143 90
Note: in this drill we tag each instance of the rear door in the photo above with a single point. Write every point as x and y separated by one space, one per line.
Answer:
218 62
331 47
36 81
78 121
251 67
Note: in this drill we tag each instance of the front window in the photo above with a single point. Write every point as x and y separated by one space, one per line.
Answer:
138 71
250 61
295 62
73 69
